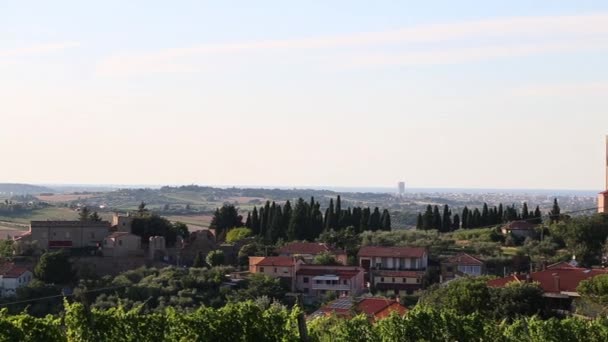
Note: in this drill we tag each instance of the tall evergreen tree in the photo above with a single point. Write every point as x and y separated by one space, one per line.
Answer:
298 222
465 217
524 212
255 222
365 214
338 213
485 215
356 219
275 229
419 224
537 216
385 220
436 218
446 221
456 223
286 216
329 216
499 214
555 212
427 218
374 220
248 220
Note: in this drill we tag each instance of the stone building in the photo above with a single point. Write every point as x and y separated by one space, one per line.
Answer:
68 234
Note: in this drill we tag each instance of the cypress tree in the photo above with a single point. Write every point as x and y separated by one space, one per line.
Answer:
427 218
436 218
356 219
286 217
274 228
317 222
255 222
298 222
465 217
456 223
329 216
446 221
419 224
262 230
499 214
385 220
524 212
338 213
365 213
248 220
538 216
374 220
555 212
484 215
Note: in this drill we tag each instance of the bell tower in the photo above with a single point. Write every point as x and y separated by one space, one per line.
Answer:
602 198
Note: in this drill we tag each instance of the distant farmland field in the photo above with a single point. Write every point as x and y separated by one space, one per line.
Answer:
63 197
194 222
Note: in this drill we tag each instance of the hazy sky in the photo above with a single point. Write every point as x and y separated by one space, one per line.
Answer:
509 94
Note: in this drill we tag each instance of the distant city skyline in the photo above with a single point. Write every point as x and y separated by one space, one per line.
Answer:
445 94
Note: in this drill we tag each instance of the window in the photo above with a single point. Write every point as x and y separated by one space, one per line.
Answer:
285 270
393 280
262 269
378 265
317 281
417 280
449 269
403 280
382 280
344 282
305 280
120 242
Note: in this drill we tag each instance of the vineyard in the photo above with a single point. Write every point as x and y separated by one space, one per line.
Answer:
247 321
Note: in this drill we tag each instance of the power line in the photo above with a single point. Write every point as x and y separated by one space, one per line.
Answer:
63 295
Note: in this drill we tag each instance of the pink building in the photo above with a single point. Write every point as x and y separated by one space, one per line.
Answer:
394 269
318 280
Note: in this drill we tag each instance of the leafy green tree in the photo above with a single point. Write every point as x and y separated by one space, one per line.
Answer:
7 248
325 258
237 234
595 289
215 258
54 267
225 218
155 225
95 217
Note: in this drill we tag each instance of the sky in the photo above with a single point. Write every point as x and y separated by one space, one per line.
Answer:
463 94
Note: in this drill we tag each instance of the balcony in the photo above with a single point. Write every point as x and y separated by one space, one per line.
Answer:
332 287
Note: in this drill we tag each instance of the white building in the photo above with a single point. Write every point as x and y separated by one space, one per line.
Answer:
13 277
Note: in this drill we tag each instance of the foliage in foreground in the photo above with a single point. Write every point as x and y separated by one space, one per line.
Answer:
248 321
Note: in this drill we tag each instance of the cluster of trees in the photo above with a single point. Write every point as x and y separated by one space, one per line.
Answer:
303 221
444 221
85 215
260 321
146 224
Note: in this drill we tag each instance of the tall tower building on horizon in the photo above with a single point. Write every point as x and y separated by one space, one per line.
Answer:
401 186
602 198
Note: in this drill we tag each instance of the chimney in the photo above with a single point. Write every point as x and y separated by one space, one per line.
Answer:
556 282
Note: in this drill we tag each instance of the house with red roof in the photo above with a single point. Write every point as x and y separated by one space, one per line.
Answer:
460 265
374 308
316 281
308 251
558 282
13 277
520 228
394 269
281 267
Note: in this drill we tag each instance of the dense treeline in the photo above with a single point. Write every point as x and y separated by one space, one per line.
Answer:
248 321
304 221
444 221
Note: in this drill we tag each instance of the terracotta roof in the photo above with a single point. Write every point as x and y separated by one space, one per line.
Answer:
464 259
396 252
303 248
118 234
562 264
277 261
388 273
344 272
604 192
11 271
519 225
374 307
71 224
554 280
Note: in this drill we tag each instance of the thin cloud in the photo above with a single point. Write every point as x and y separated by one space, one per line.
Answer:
38 49
563 90
418 40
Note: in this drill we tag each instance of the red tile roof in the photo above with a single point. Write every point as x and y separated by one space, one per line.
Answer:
118 234
464 259
388 273
303 248
553 280
344 272
277 261
396 252
374 307
11 271
519 225
562 264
